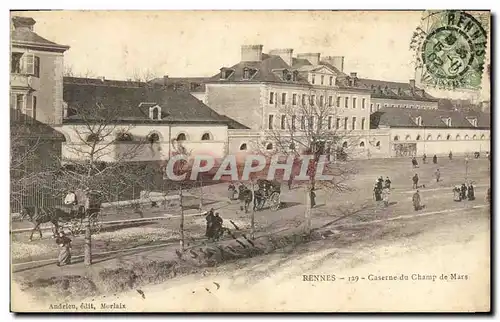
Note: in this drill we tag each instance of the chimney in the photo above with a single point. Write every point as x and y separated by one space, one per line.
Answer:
23 22
335 61
102 78
313 58
165 80
284 53
251 52
412 83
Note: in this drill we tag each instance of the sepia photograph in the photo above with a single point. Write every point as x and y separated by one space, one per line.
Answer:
250 161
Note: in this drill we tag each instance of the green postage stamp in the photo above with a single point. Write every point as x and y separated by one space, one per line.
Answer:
451 47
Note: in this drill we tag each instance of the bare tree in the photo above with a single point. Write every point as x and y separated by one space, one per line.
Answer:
100 156
144 75
69 71
311 125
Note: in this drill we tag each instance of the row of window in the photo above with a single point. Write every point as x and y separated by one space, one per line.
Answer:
25 63
270 146
153 137
439 137
374 108
322 80
314 100
291 122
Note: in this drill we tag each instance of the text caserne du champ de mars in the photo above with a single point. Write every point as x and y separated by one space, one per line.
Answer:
383 278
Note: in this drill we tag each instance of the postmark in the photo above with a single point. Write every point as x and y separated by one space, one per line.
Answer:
451 50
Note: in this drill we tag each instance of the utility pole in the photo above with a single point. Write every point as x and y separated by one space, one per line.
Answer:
201 193
182 218
252 232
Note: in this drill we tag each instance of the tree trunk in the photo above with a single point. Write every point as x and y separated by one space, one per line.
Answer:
307 215
182 220
201 194
252 232
88 244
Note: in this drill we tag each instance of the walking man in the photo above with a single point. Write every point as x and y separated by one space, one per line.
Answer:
450 155
463 191
210 223
438 175
424 159
415 181
385 196
435 159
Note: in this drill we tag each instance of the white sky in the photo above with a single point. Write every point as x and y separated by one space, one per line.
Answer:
199 43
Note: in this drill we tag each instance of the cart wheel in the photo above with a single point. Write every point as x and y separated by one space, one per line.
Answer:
274 201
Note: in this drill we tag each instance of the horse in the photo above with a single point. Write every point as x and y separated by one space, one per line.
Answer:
38 216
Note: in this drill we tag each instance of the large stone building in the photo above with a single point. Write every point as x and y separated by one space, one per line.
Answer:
36 108
134 121
376 113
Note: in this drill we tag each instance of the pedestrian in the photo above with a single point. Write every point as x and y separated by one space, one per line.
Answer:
463 192
231 191
414 162
424 159
64 243
416 201
456 194
380 183
450 156
313 197
438 175
415 181
210 223
435 159
377 193
470 193
387 183
385 196
217 226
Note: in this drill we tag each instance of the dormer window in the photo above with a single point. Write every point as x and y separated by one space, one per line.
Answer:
286 75
295 76
418 121
225 73
246 73
313 79
155 112
472 121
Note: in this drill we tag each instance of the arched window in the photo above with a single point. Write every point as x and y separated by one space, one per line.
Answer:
474 137
344 145
153 137
204 137
95 138
243 147
466 137
378 144
448 137
408 137
418 137
429 137
154 113
124 137
396 138
269 146
362 144
482 137
181 137
438 137
457 137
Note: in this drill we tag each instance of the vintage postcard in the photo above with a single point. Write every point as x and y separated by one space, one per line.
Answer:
250 161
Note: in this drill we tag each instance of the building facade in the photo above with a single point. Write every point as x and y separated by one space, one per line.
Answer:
270 92
134 121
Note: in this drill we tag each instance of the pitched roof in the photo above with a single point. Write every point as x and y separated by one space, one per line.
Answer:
266 71
123 100
394 90
234 125
403 117
24 126
21 35
189 84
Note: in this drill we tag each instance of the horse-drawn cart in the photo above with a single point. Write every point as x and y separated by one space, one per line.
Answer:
268 193
77 210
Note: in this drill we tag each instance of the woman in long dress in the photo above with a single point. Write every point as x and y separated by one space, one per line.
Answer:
456 194
385 196
65 253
